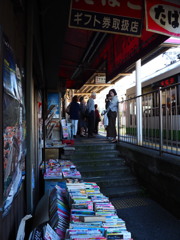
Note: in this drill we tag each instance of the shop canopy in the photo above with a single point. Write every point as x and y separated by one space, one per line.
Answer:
89 44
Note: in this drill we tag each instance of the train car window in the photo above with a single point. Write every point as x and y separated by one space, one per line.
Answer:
169 100
169 96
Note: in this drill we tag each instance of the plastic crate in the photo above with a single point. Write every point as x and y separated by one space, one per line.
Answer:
68 141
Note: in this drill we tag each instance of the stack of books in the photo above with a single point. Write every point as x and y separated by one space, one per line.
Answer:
73 180
77 196
59 169
53 169
86 233
104 209
92 215
83 212
59 213
71 173
65 163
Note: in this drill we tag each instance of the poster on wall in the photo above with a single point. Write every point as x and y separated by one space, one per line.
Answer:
53 104
13 125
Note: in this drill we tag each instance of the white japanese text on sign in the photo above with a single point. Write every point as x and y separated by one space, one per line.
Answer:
88 16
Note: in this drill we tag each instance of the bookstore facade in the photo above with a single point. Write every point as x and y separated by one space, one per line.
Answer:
21 117
25 99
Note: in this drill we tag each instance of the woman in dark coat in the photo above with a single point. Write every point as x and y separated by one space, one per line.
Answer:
74 115
97 119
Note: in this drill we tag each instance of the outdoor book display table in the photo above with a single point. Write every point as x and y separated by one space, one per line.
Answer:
57 172
77 209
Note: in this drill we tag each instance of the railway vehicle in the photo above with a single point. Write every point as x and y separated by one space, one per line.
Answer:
160 97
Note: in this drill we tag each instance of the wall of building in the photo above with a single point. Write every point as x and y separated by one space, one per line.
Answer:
12 24
160 175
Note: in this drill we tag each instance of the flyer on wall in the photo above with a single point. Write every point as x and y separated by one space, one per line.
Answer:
13 125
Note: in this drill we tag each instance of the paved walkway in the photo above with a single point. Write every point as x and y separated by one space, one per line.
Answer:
147 220
144 217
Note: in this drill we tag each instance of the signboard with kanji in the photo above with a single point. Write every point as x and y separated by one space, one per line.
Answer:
100 79
163 17
111 16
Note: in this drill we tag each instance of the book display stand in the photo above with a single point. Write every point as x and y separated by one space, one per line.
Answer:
77 210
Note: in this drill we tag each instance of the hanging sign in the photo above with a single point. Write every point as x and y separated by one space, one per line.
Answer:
163 17
111 16
100 79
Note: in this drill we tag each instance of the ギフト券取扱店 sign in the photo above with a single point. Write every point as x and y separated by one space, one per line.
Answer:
163 17
111 16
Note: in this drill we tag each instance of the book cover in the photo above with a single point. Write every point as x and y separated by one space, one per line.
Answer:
50 234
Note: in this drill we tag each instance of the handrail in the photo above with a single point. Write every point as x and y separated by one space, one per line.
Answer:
160 120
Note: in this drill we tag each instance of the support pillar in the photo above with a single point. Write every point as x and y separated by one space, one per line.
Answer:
138 103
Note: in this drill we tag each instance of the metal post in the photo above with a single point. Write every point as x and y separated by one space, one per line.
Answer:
138 102
160 123
118 119
30 107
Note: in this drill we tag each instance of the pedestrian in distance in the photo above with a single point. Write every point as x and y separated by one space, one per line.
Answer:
107 100
112 115
74 115
97 119
82 117
106 121
91 114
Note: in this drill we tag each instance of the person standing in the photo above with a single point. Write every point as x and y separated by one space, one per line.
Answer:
74 115
91 114
107 100
82 117
97 119
112 114
106 121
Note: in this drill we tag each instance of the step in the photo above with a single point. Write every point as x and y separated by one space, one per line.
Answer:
116 192
95 147
113 181
99 162
95 154
105 171
102 163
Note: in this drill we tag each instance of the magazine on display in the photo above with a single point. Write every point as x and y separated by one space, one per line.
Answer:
50 234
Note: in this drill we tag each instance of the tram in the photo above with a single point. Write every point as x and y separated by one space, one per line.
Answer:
160 96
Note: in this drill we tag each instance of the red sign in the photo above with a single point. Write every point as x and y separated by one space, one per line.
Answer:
124 8
120 52
163 17
113 16
167 82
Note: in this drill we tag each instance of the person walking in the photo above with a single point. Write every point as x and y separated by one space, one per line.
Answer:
91 114
112 114
74 115
97 119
